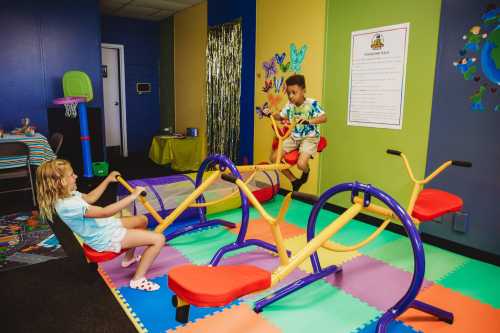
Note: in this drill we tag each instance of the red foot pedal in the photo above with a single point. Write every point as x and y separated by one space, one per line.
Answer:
432 203
216 286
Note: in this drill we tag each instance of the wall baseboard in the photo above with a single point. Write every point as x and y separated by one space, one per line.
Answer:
446 244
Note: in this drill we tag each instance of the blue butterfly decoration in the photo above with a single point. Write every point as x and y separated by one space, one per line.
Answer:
280 57
269 67
297 57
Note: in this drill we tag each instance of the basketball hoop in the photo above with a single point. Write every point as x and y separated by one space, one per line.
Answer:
70 104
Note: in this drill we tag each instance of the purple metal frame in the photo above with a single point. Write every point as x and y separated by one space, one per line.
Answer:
203 223
408 300
225 163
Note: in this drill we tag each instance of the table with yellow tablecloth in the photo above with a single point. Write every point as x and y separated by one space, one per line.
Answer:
184 154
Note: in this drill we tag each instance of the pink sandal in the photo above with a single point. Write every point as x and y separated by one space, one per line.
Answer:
126 263
144 284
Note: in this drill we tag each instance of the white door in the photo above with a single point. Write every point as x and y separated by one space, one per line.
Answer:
111 91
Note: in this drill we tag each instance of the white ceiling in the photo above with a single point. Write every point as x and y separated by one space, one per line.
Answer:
154 10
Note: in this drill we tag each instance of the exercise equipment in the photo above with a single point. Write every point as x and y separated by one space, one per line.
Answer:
221 285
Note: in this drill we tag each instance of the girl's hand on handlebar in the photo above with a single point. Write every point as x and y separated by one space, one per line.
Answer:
138 190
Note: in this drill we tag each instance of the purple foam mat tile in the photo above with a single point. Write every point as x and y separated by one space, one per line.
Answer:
260 258
374 282
167 259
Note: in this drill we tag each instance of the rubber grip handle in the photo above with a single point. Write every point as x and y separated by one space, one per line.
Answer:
464 164
393 152
229 178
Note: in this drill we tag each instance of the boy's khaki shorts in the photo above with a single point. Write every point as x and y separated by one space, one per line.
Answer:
308 145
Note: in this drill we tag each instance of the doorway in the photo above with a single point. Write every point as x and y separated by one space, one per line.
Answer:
113 83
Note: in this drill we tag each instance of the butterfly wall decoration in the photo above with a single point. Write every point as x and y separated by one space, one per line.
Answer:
274 100
269 67
297 57
260 110
268 84
278 83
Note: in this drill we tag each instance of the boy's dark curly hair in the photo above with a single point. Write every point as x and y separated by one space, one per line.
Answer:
296 79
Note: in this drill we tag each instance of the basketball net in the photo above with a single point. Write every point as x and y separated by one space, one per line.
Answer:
71 109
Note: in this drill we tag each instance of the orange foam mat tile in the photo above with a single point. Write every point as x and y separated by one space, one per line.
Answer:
259 229
470 315
240 318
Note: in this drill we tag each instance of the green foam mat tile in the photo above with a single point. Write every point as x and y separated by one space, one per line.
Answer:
438 262
319 307
199 247
476 279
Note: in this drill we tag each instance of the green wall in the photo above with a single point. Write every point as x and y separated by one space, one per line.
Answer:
358 153
167 112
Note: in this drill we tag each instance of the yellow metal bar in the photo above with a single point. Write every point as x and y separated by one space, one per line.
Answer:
185 204
437 172
315 243
227 197
275 229
143 200
262 167
408 168
255 202
385 212
274 223
343 248
417 188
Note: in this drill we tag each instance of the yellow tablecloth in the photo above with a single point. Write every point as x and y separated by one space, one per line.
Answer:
183 154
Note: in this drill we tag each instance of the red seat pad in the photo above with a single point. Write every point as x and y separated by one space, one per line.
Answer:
95 256
432 203
207 286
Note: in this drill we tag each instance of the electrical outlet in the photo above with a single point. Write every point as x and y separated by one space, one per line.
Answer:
461 222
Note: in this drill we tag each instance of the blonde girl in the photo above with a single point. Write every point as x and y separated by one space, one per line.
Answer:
97 226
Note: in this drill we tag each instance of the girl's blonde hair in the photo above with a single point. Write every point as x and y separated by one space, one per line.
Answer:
50 186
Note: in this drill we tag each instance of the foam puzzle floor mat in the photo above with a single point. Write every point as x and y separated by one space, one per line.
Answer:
373 279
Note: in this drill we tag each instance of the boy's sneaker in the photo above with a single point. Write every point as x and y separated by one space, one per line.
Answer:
304 177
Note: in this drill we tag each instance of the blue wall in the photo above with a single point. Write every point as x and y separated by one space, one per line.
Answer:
141 40
40 41
459 133
222 11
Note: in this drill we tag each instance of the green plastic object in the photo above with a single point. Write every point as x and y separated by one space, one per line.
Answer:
100 169
77 83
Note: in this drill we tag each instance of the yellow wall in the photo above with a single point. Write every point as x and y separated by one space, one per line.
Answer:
190 40
278 26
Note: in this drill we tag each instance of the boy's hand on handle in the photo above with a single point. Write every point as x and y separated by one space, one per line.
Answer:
112 176
302 121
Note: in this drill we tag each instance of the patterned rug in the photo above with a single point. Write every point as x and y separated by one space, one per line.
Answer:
26 240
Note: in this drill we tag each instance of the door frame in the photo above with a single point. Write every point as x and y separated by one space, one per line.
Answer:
123 101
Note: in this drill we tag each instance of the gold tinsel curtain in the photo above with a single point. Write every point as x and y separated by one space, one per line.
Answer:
223 89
